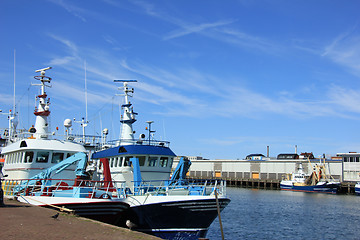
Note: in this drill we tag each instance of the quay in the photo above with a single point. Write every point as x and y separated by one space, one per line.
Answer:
345 188
23 221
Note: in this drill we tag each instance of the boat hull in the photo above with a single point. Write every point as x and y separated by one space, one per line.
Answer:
104 210
177 219
357 189
331 188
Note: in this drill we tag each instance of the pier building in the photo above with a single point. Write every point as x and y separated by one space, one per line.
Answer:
344 167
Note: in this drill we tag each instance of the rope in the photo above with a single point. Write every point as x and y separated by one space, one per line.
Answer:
62 209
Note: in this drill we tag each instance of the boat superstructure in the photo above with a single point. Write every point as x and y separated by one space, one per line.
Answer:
37 151
155 157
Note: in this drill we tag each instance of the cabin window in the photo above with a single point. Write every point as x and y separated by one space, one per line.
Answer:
163 161
116 162
141 160
127 161
69 154
351 159
29 156
171 161
42 157
345 159
357 159
152 161
112 162
57 157
21 154
120 161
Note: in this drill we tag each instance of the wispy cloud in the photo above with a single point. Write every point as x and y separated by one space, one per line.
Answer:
70 8
193 93
346 99
219 30
345 51
244 40
189 29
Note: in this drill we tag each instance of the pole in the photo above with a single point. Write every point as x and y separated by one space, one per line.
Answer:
218 210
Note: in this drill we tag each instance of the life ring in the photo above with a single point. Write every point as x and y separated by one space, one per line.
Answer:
105 196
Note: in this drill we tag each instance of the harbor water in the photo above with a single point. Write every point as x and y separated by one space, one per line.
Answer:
270 214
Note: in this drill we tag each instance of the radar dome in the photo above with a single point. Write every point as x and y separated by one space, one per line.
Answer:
105 131
67 123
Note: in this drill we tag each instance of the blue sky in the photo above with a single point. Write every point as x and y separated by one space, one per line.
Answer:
221 79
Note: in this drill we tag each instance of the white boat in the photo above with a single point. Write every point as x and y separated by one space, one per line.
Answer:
174 209
357 188
318 181
30 155
140 170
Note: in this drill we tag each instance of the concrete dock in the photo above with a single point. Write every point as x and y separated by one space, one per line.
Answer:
22 221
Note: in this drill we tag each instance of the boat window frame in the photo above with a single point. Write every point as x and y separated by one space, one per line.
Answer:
151 162
40 152
162 161
111 162
126 161
31 157
120 162
54 154
142 160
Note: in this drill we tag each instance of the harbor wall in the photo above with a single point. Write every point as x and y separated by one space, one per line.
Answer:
262 170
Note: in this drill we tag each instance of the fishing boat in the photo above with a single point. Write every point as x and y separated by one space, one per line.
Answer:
36 151
170 209
357 188
145 196
318 181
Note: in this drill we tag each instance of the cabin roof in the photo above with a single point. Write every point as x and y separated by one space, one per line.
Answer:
134 149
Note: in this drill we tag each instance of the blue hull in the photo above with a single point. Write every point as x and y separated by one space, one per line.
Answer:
357 190
179 220
325 188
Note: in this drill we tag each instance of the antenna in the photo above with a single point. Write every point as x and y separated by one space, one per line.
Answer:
43 69
86 106
14 78
124 80
150 122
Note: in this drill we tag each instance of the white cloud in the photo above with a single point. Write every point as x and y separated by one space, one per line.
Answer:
70 8
345 51
346 99
189 29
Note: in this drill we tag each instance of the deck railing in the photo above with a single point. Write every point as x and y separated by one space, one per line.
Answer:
111 189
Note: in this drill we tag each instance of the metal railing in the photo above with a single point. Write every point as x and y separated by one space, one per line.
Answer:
64 188
111 189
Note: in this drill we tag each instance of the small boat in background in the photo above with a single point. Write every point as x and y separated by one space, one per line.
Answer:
318 181
357 188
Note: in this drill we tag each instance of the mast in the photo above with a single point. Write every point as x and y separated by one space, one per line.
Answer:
84 121
128 117
42 111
